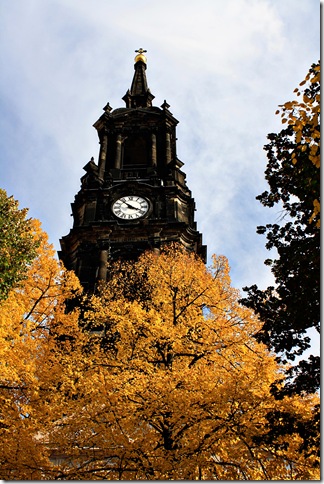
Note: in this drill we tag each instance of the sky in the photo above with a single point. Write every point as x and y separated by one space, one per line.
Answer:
223 66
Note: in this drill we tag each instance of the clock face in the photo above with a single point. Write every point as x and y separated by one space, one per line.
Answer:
130 207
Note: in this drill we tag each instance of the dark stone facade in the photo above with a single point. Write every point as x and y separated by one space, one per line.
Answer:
137 160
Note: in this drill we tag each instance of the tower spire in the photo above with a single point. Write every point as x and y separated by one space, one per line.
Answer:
139 94
136 198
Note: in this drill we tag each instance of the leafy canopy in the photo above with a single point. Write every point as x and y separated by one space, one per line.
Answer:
158 376
31 319
168 382
17 243
293 172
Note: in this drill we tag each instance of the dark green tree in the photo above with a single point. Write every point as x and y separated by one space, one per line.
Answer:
18 243
292 307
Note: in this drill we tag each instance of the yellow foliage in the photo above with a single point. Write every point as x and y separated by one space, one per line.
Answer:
304 119
181 388
25 319
156 377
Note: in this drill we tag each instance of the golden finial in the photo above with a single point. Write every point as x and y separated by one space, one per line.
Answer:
140 56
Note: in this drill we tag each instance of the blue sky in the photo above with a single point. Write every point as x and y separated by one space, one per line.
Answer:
223 66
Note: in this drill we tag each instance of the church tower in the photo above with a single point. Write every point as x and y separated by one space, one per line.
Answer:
136 197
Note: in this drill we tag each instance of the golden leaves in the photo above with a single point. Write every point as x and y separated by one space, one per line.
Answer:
316 211
303 117
168 386
181 376
29 372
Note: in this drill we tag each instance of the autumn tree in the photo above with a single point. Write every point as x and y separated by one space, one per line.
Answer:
158 376
33 321
292 307
173 386
17 243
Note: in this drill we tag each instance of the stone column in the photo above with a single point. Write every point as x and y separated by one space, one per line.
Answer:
168 147
102 156
153 153
118 152
103 259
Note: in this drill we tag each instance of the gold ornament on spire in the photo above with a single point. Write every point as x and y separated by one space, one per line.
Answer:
140 56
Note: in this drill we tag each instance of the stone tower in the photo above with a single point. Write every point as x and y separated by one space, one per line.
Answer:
136 197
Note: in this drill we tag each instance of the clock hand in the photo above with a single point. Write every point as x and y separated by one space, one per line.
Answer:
131 206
